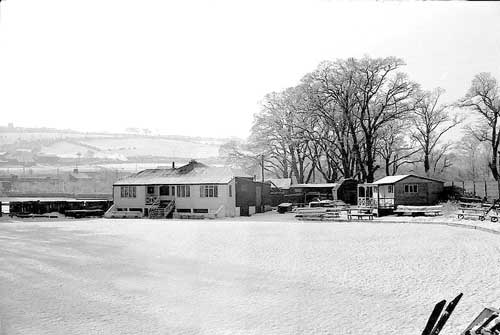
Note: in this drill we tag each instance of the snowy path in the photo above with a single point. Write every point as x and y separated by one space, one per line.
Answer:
206 277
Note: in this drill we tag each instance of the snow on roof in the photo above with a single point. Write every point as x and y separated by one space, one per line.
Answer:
282 183
396 178
316 185
192 173
391 179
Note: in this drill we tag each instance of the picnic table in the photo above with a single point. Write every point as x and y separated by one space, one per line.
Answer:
360 213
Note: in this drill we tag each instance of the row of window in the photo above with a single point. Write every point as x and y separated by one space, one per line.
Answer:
409 188
209 191
128 192
182 191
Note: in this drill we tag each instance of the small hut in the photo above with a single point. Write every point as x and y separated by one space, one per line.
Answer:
279 188
344 190
391 191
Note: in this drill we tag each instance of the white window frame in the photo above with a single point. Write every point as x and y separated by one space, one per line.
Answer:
411 188
128 191
183 191
209 191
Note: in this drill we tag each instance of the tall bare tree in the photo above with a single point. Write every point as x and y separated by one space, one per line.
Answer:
483 98
395 148
430 122
327 99
277 130
383 95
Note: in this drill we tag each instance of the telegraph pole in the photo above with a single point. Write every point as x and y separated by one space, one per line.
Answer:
262 166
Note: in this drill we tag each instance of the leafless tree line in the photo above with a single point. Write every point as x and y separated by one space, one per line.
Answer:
353 118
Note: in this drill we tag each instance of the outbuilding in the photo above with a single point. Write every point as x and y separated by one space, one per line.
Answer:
279 188
389 192
192 190
344 189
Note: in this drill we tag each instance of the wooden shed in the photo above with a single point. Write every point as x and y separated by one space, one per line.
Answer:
391 191
344 190
279 187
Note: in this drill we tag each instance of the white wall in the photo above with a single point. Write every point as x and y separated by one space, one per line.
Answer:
212 204
191 202
137 202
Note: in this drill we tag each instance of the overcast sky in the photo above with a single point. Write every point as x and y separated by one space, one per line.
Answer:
201 67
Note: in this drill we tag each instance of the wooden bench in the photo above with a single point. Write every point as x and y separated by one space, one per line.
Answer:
359 216
190 216
125 214
475 212
419 210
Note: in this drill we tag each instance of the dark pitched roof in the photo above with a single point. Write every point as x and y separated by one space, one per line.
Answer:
281 183
192 173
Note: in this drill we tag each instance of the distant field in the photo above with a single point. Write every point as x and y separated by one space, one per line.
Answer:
155 147
114 146
13 137
121 148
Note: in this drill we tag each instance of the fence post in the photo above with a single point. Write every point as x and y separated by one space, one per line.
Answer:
474 187
463 187
485 189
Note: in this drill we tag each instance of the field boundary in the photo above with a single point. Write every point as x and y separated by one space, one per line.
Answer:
451 224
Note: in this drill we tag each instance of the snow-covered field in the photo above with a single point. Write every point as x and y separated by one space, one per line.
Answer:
245 276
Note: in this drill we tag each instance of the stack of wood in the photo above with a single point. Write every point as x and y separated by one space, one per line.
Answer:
419 210
318 213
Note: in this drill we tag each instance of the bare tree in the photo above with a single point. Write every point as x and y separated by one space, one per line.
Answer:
431 121
472 157
239 155
382 95
331 130
442 158
396 149
483 98
277 132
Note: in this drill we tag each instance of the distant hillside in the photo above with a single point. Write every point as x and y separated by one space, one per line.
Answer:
72 144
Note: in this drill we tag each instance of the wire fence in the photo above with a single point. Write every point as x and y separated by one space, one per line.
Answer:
479 188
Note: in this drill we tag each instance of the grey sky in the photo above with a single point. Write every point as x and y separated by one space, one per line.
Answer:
201 67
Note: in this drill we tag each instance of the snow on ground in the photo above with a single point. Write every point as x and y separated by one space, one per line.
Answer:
267 274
